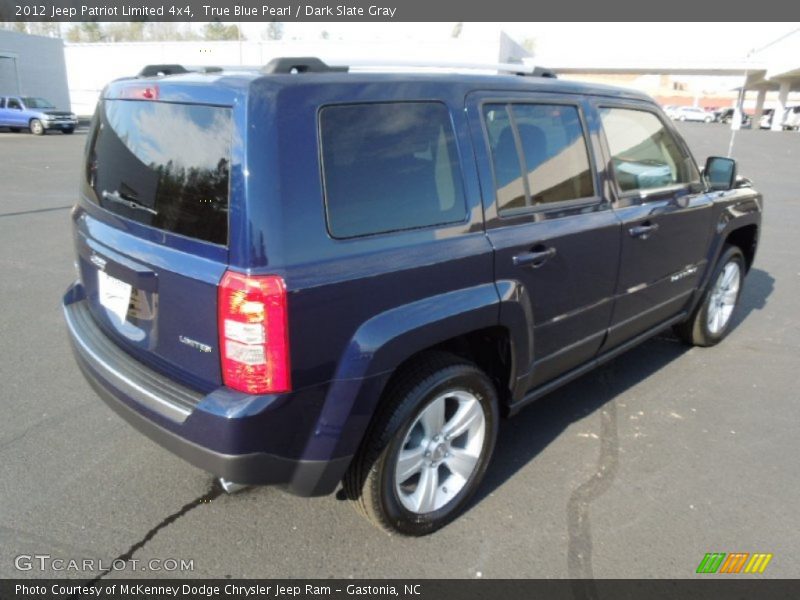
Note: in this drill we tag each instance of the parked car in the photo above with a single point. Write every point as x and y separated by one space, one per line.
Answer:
669 109
37 114
726 115
691 113
766 118
791 118
304 276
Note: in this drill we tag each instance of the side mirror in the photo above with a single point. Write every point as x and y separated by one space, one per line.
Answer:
720 173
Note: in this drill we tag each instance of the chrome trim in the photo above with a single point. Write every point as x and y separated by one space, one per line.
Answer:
121 371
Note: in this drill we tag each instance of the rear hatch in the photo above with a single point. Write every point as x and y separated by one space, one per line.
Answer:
152 230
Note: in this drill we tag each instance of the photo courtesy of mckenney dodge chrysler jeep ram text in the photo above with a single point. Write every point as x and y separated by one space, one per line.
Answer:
311 275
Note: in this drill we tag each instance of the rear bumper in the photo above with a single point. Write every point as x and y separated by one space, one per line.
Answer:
214 432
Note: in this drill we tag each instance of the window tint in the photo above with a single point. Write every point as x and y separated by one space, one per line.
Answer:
14 103
2 102
545 140
644 154
555 153
389 166
163 165
505 158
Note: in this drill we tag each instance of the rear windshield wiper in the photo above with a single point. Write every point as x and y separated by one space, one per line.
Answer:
115 196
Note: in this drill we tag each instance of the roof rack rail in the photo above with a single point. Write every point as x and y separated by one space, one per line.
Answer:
312 64
164 70
158 70
302 64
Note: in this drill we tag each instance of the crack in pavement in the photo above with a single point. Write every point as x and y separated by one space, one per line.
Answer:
579 547
214 491
34 211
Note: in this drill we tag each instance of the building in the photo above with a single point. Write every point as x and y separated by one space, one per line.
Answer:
33 65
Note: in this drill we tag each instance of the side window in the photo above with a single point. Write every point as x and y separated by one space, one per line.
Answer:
388 167
555 153
644 154
14 103
2 102
510 187
539 154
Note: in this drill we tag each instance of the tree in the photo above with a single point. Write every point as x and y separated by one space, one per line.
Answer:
274 31
219 31
45 29
86 32
125 32
529 44
169 32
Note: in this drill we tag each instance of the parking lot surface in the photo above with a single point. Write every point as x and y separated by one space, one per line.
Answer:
635 470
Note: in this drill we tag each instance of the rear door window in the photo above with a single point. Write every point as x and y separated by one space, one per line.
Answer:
164 165
539 154
389 167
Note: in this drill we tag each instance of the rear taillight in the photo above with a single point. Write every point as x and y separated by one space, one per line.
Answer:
254 333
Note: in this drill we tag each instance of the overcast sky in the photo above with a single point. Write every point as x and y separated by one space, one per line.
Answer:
644 40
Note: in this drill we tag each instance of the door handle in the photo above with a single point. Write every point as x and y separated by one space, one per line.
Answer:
534 258
643 231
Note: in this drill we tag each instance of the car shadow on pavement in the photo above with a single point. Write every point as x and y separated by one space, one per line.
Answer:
758 286
522 438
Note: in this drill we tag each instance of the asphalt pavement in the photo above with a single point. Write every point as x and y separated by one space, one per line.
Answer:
635 470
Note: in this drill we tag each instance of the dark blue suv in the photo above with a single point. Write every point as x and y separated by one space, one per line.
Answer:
306 276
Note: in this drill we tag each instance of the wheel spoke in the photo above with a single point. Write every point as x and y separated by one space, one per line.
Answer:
461 463
409 463
728 275
469 414
729 297
424 497
432 418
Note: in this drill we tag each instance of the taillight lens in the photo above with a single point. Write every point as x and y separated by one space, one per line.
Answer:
254 333
139 92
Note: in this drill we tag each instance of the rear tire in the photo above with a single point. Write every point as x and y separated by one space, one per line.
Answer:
36 127
428 448
711 321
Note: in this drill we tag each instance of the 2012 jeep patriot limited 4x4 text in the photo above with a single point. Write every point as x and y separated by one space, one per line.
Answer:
305 276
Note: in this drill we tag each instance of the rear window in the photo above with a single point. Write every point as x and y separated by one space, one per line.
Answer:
163 165
389 167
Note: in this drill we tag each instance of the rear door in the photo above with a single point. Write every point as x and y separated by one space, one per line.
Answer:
554 234
152 230
666 220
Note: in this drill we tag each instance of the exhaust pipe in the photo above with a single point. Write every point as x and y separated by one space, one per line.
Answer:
231 487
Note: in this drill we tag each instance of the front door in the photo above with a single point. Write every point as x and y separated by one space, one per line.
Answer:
555 237
666 219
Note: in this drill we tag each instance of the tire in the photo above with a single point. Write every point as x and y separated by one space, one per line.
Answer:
711 321
439 388
36 127
708 119
68 131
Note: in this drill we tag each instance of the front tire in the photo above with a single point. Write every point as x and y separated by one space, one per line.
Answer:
36 127
711 321
428 449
